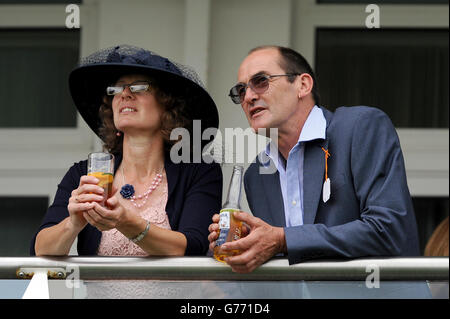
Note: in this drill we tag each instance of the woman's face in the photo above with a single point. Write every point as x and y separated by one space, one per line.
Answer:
138 112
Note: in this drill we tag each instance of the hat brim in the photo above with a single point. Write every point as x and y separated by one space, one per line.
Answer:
88 87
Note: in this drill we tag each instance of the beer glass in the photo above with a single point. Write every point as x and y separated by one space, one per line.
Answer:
101 166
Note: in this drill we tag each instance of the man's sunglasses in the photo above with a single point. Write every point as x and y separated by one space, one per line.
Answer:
259 84
136 87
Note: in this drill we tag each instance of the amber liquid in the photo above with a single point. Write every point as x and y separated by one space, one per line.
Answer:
105 182
231 230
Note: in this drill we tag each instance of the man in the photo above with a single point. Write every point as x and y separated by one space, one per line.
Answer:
340 187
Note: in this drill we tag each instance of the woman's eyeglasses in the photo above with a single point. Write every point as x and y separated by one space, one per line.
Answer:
259 84
136 87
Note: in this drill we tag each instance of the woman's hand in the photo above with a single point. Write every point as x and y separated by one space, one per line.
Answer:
83 199
103 218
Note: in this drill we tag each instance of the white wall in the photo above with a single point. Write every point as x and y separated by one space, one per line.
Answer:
156 25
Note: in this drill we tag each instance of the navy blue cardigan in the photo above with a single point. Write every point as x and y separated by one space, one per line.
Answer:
194 196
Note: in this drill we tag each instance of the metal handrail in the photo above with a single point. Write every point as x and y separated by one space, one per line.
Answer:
206 268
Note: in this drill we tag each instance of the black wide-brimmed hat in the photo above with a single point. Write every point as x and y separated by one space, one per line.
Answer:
88 82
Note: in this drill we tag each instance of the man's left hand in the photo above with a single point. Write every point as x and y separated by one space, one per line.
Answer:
263 242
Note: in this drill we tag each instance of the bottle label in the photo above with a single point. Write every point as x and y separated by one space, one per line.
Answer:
224 225
224 221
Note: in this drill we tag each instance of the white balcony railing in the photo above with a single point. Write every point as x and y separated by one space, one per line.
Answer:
179 277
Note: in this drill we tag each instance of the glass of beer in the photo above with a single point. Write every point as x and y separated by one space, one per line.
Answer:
101 166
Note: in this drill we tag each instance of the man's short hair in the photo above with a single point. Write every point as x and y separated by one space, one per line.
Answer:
293 62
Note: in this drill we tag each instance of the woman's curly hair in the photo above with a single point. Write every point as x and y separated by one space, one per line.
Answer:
175 114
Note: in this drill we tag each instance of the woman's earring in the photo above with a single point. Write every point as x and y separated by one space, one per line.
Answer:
118 133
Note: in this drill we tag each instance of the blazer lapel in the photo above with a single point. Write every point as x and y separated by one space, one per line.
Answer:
313 178
314 173
271 185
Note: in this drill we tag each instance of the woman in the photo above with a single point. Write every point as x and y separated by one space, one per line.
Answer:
132 99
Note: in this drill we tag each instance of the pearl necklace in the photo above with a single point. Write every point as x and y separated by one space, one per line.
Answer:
127 190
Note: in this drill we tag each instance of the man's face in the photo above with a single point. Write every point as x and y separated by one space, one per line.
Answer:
274 107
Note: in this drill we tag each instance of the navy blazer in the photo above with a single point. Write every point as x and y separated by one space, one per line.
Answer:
370 210
194 196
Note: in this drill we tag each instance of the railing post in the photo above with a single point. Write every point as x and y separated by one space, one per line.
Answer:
38 287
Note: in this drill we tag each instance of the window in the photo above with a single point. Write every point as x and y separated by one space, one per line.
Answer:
35 65
403 72
19 221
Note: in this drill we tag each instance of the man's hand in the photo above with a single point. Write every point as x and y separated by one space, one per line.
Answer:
263 242
214 231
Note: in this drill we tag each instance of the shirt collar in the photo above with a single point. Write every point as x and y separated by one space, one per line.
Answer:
314 128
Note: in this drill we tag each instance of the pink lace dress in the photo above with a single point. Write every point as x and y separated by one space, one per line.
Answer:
114 243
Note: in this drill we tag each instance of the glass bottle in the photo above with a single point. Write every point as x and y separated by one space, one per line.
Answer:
230 228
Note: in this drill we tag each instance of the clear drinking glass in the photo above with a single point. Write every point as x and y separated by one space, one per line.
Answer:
101 166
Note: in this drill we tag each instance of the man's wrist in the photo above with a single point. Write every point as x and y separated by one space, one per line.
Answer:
282 248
